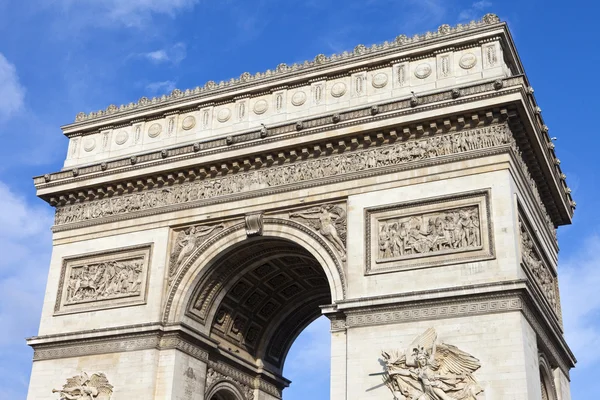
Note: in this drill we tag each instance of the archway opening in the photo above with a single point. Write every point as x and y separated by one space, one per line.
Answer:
258 296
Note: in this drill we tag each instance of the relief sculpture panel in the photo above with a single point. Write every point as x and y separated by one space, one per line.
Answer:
428 233
538 268
103 280
291 172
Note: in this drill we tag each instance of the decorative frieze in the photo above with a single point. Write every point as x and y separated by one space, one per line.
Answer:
103 280
292 172
430 232
535 264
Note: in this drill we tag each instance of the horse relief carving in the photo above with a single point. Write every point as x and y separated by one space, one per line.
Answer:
452 230
105 280
428 370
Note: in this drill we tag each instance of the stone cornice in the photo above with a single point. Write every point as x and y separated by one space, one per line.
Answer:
286 130
458 302
307 128
321 61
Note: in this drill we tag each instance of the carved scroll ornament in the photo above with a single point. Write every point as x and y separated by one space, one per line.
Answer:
84 387
428 370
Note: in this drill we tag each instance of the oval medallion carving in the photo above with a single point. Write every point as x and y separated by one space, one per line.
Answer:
467 61
121 137
299 98
380 80
188 122
223 115
154 130
89 144
260 107
423 70
338 89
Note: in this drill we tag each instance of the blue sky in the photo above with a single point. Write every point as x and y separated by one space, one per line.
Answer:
59 57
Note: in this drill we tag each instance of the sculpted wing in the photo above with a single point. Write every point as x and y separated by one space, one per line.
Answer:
77 380
453 360
100 382
426 341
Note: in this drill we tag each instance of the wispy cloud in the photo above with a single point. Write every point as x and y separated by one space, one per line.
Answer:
25 240
12 94
130 13
160 87
579 282
476 10
173 55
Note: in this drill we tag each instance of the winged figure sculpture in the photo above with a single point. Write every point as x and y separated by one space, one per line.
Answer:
428 370
84 387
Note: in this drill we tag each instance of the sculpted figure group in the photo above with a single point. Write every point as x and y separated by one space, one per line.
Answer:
84 387
431 371
289 173
434 232
538 268
105 280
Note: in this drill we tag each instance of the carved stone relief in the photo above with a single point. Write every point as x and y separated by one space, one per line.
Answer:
213 377
186 241
538 268
103 280
84 387
431 370
429 232
329 220
291 172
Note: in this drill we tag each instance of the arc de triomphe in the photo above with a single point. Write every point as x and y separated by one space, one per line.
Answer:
409 191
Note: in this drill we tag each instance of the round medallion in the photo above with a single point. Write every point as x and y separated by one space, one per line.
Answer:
298 98
154 130
423 71
380 80
121 137
467 61
188 122
89 144
261 106
338 89
223 115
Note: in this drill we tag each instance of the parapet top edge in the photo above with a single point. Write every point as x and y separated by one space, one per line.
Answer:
359 52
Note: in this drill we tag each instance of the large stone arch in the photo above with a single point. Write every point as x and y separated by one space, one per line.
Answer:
547 379
195 270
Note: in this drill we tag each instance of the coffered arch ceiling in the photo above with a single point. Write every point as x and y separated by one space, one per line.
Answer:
259 296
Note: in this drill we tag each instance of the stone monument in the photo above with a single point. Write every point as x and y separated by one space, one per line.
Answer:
409 191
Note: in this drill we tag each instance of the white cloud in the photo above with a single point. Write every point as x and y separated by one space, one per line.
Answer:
174 54
579 278
161 87
25 240
476 11
12 93
131 13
